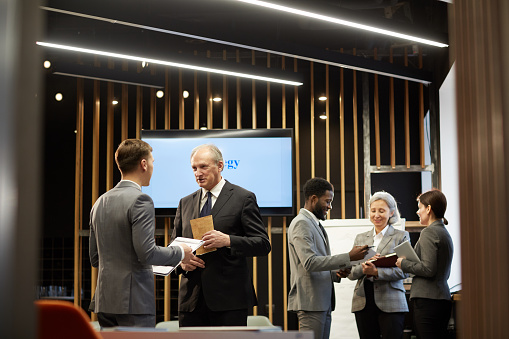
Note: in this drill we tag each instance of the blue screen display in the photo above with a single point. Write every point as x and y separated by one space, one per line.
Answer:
257 160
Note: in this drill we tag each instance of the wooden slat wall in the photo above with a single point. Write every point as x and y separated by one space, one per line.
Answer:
482 39
333 87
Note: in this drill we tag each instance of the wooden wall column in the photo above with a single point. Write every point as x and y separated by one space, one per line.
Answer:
482 83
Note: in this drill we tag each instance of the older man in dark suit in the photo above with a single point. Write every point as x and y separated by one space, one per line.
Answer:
217 289
122 245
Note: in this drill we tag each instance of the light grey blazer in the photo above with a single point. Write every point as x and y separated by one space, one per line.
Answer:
122 246
388 288
312 268
435 250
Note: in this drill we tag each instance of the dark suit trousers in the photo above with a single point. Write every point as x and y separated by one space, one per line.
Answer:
131 320
203 316
373 322
431 317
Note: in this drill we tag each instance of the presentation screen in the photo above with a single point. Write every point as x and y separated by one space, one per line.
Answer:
257 160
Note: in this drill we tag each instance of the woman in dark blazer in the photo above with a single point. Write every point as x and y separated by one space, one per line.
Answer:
379 302
430 295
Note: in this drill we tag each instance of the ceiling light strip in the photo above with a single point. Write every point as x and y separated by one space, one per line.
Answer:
166 63
343 22
233 44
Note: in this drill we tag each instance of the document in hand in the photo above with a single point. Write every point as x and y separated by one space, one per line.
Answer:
388 260
193 243
405 250
200 226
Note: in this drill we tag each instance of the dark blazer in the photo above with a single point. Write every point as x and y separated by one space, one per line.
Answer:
435 250
226 279
122 246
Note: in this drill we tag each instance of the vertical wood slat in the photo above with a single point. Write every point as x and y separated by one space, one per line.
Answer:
125 113
407 117
253 94
167 109
342 141
209 99
421 114
327 128
124 130
376 106
225 97
297 137
110 128
355 142
139 110
239 107
269 271
153 120
78 191
95 166
196 107
391 115
182 116
312 111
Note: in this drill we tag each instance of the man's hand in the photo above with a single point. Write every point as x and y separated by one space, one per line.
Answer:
215 239
190 261
358 252
344 273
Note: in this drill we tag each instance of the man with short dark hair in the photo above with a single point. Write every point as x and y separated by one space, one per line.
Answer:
313 269
122 244
217 289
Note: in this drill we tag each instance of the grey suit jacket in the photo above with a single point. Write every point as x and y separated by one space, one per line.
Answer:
312 268
388 288
435 250
122 246
225 281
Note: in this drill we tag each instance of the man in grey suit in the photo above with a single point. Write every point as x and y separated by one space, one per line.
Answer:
313 269
217 289
122 245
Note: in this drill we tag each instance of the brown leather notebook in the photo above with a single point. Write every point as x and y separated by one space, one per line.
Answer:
388 260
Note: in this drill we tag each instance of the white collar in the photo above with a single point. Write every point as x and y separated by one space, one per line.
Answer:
216 190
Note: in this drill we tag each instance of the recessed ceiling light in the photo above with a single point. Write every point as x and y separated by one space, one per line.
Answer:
185 94
47 64
323 116
159 94
322 98
59 97
115 102
217 99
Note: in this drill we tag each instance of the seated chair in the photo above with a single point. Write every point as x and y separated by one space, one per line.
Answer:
63 320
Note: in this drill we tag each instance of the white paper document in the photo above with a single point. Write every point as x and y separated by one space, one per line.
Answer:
406 250
193 243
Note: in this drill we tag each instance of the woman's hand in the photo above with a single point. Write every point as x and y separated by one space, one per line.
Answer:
398 262
369 269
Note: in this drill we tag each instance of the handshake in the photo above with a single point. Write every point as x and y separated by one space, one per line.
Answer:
357 253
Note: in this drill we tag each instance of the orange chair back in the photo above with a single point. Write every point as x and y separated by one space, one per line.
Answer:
63 320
